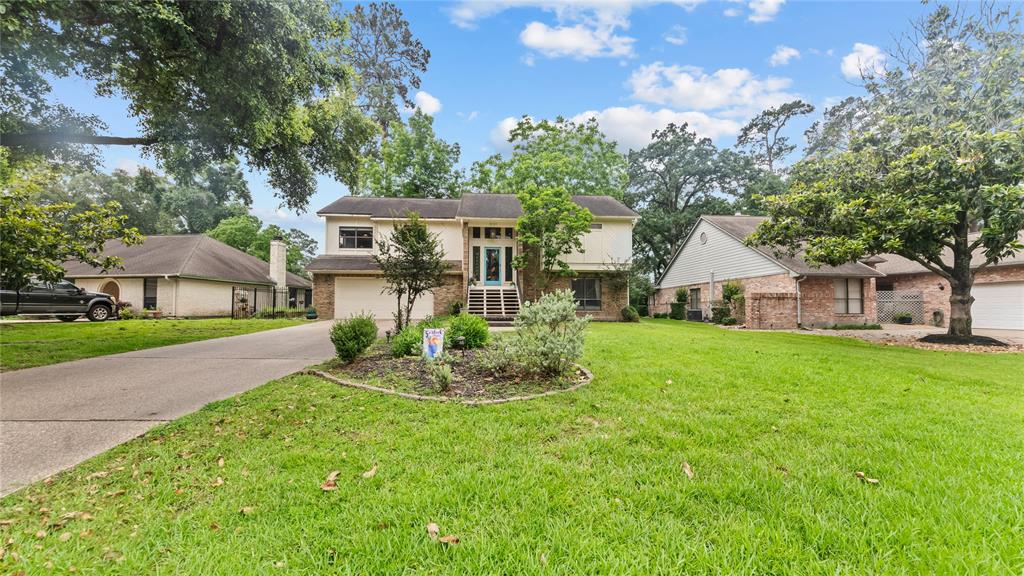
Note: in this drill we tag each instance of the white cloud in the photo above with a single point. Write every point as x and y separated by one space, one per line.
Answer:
128 165
500 133
631 127
764 10
677 35
782 55
528 60
579 41
468 116
866 59
731 91
731 12
467 13
426 102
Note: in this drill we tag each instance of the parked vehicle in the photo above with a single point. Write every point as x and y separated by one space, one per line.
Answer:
63 300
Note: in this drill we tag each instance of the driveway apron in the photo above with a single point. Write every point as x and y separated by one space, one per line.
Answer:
53 417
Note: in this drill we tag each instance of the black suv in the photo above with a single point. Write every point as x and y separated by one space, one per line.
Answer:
61 299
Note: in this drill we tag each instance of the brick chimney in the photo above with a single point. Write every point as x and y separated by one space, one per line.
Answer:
279 262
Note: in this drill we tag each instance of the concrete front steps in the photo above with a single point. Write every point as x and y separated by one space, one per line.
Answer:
499 305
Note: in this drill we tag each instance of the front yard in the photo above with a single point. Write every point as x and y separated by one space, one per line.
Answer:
37 344
694 449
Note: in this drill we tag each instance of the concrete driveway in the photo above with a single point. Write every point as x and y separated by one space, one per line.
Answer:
53 417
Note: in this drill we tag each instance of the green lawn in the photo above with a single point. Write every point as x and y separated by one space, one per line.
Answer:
774 427
38 344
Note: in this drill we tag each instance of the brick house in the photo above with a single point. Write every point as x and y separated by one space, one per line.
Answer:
998 289
479 239
779 292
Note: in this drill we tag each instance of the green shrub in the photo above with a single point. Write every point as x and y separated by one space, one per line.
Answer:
678 310
473 328
856 327
549 335
729 321
352 336
643 310
682 295
498 358
629 314
661 315
455 308
719 313
730 290
440 372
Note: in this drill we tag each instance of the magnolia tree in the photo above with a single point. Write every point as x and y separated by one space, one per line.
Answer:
936 147
412 261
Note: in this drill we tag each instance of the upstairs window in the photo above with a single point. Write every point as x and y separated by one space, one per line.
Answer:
849 296
351 238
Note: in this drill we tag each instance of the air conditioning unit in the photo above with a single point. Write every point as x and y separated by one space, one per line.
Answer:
695 315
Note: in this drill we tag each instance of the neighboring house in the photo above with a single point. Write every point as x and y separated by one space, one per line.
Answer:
190 275
479 239
779 292
998 289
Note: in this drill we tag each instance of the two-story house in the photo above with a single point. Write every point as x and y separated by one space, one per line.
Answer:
479 239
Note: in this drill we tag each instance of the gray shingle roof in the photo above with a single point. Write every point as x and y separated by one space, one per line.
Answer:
894 264
190 255
499 206
740 227
341 263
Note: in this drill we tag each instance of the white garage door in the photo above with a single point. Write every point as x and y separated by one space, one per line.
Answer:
358 295
998 305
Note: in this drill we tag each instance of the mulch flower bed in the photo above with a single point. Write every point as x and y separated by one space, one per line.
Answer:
470 380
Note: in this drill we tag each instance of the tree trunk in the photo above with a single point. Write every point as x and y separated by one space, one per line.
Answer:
960 282
53 138
399 324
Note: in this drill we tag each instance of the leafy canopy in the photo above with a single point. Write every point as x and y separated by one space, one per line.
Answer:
937 146
763 139
38 239
574 156
414 163
551 226
206 81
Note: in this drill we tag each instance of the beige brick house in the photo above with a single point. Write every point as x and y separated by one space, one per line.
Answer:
779 292
478 236
998 289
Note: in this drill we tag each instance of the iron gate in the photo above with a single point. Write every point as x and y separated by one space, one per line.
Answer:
248 301
895 302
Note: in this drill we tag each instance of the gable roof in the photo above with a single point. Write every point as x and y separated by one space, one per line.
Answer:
497 206
184 255
739 227
894 264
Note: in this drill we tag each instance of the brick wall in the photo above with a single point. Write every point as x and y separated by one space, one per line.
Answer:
771 310
612 300
453 290
817 303
778 283
935 289
323 295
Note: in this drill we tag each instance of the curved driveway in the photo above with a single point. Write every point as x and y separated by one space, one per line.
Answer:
53 417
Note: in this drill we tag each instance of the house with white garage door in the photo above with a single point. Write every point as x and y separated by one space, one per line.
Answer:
477 232
998 289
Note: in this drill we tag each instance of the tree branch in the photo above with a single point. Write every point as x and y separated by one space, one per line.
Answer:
940 269
51 138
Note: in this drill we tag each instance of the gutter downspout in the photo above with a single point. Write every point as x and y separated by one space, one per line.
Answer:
711 294
799 320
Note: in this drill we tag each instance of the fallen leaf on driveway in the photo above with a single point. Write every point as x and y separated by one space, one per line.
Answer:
433 530
331 482
449 539
687 470
371 472
864 478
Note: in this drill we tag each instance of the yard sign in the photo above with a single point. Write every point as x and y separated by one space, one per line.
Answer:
433 342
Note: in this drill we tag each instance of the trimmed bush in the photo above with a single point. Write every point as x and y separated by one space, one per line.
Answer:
630 314
729 321
549 334
473 328
719 313
352 336
661 314
409 342
678 310
682 295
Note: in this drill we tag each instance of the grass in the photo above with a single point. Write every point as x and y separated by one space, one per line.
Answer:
39 344
773 426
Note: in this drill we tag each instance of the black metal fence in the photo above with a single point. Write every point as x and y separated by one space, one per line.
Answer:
248 301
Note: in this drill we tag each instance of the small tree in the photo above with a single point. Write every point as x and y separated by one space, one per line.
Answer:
552 225
412 261
38 239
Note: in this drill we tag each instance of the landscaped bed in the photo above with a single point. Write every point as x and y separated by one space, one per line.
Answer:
471 380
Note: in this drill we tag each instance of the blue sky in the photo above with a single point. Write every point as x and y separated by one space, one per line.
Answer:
635 65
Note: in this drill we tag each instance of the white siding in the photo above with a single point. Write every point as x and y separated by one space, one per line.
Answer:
610 244
449 232
727 257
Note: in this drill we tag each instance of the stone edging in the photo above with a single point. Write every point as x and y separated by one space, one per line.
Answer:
587 378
